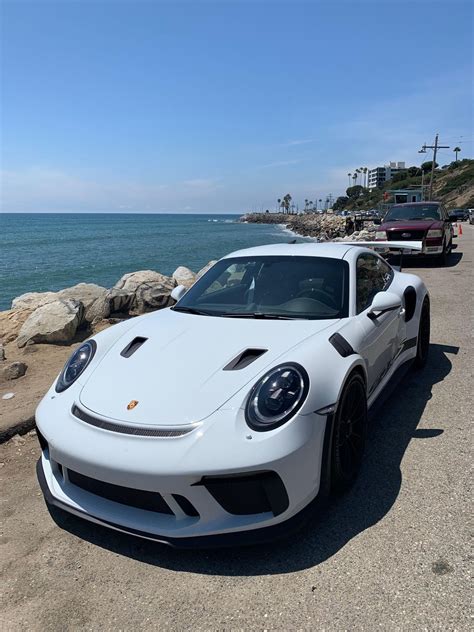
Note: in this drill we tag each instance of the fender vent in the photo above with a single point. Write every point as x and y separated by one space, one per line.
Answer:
132 347
341 345
244 359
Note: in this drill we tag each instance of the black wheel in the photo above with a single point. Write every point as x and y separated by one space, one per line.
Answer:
423 344
350 429
443 257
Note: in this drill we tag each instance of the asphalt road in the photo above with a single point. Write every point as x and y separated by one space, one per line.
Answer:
392 554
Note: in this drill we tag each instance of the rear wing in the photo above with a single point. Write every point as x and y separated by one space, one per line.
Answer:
402 246
384 248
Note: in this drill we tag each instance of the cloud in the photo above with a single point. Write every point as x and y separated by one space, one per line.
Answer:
293 143
52 190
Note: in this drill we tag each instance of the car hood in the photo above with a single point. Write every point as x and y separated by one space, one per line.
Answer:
177 375
406 225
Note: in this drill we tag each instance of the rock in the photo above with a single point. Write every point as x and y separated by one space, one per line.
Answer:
100 325
53 322
131 282
32 300
117 302
8 396
99 309
88 294
207 267
184 276
14 370
11 321
152 296
2 353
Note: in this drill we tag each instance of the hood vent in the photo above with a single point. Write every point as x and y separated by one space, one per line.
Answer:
244 359
133 346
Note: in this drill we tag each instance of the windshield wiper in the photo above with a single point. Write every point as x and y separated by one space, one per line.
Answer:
261 315
192 310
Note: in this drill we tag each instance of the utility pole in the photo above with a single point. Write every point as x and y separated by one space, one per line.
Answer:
435 148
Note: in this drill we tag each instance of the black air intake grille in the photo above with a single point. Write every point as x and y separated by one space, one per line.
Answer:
397 235
139 498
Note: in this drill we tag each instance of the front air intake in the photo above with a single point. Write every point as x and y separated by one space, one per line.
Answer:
244 359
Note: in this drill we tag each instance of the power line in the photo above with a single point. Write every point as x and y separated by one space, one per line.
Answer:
435 148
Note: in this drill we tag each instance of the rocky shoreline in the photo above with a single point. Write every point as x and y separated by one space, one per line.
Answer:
323 227
58 317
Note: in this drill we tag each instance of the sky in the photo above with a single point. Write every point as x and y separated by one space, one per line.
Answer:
172 106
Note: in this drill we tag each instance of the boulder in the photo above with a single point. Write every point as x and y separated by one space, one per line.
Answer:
118 301
32 300
207 267
53 322
87 293
184 276
11 321
14 370
152 296
131 282
100 325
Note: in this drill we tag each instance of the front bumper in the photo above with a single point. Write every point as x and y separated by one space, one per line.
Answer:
237 489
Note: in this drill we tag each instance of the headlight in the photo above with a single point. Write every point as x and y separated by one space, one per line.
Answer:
76 365
380 234
434 233
277 396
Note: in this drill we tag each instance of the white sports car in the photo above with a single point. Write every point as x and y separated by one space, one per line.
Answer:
223 419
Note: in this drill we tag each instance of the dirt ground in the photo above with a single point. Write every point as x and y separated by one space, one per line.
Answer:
392 554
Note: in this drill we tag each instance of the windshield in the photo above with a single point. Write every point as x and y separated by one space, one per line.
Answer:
411 212
280 287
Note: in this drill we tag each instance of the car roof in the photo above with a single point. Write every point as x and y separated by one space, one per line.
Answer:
333 250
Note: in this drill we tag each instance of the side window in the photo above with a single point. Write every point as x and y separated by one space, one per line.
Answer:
372 275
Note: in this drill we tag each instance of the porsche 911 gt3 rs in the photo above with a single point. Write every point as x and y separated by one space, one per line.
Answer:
223 418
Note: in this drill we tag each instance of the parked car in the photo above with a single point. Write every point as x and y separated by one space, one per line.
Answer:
459 215
225 418
425 221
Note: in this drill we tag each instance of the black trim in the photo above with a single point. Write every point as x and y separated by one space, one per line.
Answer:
138 498
244 359
137 431
408 344
341 345
250 493
132 346
186 505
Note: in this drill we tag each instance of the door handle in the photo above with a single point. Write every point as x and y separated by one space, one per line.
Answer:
402 311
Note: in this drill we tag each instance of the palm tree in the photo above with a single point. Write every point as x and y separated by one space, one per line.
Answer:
354 179
365 177
279 204
349 175
456 151
305 205
320 203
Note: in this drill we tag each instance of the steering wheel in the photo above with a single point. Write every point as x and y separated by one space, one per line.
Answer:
325 297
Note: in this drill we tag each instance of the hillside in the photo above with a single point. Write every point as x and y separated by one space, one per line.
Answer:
453 185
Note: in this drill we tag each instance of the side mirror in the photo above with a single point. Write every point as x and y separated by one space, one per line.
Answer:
384 302
178 292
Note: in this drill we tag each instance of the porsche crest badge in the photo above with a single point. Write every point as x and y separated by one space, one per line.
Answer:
132 404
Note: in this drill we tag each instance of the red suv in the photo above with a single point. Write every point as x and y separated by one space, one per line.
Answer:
428 222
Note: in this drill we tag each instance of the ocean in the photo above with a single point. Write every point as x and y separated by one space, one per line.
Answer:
51 251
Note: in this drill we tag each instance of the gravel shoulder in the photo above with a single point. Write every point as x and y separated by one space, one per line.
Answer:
392 554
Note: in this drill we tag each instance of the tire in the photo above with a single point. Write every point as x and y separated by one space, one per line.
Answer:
443 257
423 344
349 434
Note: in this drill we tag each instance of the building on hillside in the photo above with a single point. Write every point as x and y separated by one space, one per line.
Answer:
379 175
402 196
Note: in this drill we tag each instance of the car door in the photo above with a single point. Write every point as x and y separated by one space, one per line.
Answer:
383 335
